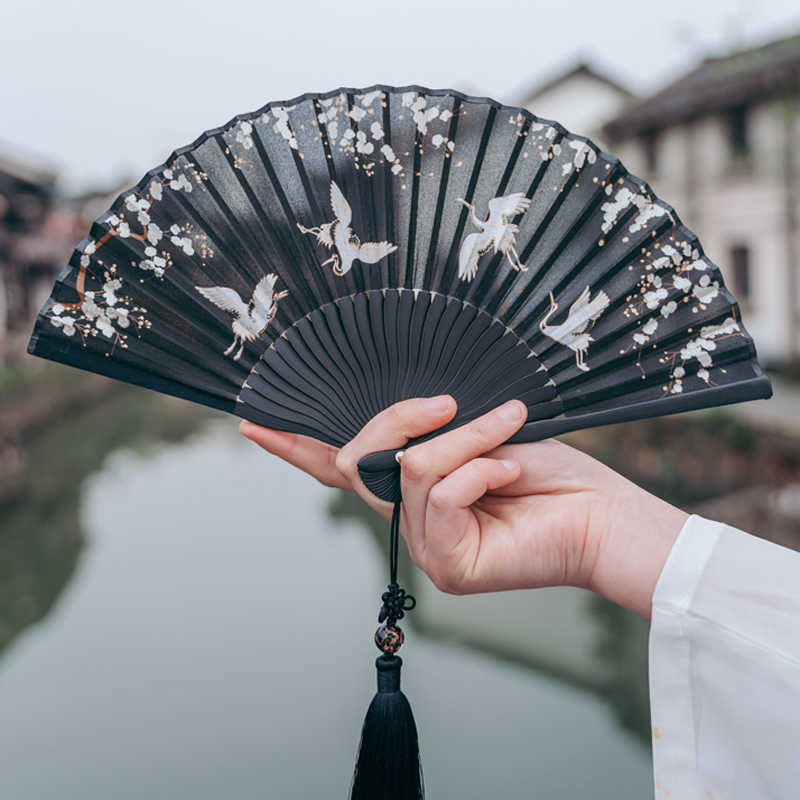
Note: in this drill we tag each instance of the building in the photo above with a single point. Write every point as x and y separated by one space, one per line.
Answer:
26 197
581 98
722 145
38 231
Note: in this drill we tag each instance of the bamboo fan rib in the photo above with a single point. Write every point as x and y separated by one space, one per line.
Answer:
311 263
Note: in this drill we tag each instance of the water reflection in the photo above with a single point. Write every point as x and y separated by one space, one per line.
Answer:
212 637
41 536
609 658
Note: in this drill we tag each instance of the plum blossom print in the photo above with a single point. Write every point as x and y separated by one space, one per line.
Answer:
675 276
100 309
699 349
103 313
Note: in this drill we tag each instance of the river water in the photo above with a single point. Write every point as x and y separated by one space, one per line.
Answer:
205 632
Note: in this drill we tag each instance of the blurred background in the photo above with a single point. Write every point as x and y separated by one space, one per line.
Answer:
180 614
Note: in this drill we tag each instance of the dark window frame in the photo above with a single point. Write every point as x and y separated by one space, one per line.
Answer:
650 144
739 139
741 270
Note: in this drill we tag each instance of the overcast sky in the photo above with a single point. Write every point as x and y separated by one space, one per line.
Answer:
105 90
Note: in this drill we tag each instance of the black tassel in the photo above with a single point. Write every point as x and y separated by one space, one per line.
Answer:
388 766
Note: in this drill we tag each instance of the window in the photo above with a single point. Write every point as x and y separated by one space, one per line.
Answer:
651 152
740 271
738 131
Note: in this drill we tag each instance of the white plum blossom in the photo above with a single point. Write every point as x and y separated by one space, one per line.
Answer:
725 328
66 323
648 209
180 183
104 325
370 97
124 230
90 309
185 243
706 290
281 126
612 209
391 157
653 297
109 290
583 153
357 113
119 315
681 283
362 145
668 308
701 347
376 129
647 330
155 190
437 140
445 115
423 116
154 233
136 204
244 134
155 264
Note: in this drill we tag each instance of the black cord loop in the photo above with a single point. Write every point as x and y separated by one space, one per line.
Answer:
395 600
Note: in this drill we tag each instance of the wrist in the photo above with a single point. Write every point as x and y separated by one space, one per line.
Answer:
635 539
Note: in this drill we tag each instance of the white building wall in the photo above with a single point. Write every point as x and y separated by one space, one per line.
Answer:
728 201
581 103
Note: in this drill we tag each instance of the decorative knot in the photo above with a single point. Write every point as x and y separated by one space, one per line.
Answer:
395 604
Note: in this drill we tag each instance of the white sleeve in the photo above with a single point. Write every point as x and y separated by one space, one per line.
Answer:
725 668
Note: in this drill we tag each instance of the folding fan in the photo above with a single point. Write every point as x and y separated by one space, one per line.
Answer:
309 264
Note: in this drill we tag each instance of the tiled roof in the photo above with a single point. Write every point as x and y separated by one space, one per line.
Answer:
717 84
580 69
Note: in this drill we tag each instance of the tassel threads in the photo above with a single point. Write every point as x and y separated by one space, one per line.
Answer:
388 766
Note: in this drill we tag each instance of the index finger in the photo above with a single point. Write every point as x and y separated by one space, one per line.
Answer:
392 429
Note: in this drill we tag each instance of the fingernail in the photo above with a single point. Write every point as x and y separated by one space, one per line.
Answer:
512 411
509 465
440 403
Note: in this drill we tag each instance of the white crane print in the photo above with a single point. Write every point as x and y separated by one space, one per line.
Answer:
250 319
573 332
338 236
495 232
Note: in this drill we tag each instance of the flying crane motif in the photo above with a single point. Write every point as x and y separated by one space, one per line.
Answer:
250 319
574 331
338 236
495 232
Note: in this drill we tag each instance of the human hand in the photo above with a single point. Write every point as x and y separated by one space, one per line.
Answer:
481 516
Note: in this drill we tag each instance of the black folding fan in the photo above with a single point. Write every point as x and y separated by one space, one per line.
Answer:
309 264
